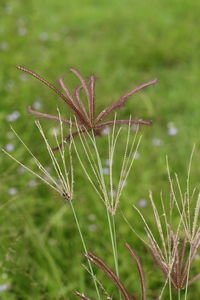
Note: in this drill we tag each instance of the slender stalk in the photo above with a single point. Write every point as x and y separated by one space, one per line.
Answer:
170 288
179 294
188 274
113 242
85 248
121 101
115 239
112 231
140 270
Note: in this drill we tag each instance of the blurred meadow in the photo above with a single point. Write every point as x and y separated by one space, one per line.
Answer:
125 43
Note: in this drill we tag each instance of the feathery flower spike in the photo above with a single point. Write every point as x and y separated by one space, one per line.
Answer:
112 275
87 119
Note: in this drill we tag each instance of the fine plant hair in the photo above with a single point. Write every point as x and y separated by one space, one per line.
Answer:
178 243
109 192
87 118
63 180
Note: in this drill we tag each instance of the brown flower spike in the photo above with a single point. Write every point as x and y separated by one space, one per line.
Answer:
117 282
182 256
87 121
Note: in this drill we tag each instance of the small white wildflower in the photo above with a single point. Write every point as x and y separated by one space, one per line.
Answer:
92 227
9 147
92 217
157 142
37 105
136 155
106 130
13 116
106 171
108 162
21 170
172 130
142 203
32 183
54 131
12 191
43 36
4 287
22 31
4 46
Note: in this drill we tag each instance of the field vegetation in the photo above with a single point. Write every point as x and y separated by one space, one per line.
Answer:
125 44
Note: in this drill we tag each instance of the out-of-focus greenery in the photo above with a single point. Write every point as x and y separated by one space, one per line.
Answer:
124 43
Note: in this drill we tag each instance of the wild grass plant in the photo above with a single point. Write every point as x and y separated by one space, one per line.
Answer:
175 247
179 239
62 180
107 189
87 122
126 43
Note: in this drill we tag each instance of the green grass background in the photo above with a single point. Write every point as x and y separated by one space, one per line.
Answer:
125 43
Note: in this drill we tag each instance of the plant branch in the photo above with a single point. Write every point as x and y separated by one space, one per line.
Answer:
140 270
85 87
48 116
82 296
58 92
99 263
110 123
122 100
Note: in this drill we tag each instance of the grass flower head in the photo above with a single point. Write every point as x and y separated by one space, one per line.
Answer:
62 180
87 118
178 229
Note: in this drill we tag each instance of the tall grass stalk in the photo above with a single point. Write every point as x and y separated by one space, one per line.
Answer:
85 248
109 195
179 233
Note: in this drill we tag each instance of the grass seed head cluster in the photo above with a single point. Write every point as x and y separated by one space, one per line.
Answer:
177 241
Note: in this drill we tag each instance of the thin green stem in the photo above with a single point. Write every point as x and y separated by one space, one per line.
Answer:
111 225
170 288
85 248
115 242
112 242
179 294
188 274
